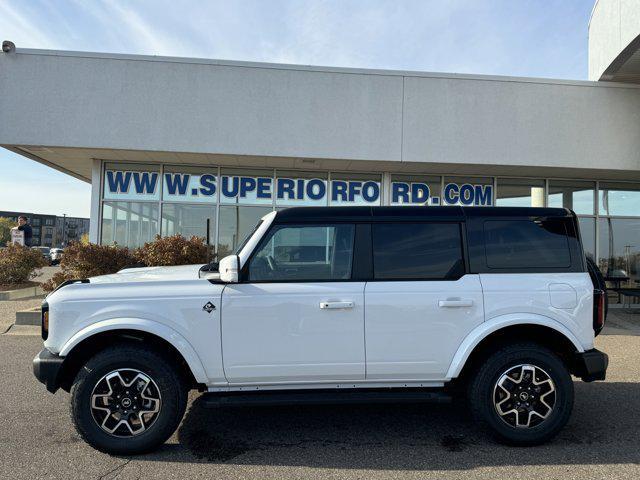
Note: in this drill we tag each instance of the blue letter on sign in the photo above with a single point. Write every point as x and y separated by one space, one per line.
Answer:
176 183
247 184
399 191
145 182
419 193
338 190
264 188
316 189
118 181
451 193
285 185
230 191
484 195
370 191
207 184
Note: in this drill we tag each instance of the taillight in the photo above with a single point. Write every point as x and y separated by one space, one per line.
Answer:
45 320
598 310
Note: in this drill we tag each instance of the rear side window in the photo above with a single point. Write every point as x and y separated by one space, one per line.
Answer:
526 244
415 251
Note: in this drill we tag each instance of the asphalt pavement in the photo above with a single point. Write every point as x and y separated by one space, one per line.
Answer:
602 439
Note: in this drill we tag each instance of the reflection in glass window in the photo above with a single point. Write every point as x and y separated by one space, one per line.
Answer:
414 190
619 199
520 192
305 253
129 223
301 189
235 224
588 234
411 251
577 196
188 220
355 189
619 253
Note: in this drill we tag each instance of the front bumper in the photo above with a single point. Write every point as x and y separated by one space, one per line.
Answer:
591 365
46 368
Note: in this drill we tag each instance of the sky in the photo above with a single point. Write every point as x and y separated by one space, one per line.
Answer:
543 38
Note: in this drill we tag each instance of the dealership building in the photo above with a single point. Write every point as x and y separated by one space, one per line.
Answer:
206 147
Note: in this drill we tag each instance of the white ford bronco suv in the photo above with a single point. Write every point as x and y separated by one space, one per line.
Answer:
341 304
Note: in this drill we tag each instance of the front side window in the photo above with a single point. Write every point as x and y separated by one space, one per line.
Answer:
304 253
417 251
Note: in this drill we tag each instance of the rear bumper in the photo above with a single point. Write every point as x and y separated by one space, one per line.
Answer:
591 365
46 368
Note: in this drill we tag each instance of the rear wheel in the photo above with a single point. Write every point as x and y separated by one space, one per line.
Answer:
524 393
127 399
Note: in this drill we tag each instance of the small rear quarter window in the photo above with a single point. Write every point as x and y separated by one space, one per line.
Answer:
526 243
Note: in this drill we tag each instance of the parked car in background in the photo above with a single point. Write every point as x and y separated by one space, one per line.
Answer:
56 255
45 253
339 305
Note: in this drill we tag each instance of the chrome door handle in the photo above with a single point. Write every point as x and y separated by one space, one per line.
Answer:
453 303
335 305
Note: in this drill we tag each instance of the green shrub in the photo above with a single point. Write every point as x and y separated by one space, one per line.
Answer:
173 250
90 260
17 264
6 224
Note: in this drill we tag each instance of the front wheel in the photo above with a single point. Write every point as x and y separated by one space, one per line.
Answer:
524 393
127 399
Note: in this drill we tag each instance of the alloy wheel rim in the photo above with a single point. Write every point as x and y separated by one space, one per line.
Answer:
125 402
524 396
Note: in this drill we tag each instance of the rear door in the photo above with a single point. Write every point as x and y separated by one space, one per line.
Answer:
421 304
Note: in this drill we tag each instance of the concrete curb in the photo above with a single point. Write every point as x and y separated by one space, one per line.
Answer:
28 317
28 292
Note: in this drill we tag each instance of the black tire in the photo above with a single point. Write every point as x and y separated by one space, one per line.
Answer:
483 387
171 387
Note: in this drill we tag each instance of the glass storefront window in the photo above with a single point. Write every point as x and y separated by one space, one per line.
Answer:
235 224
189 220
129 223
588 234
301 189
414 189
520 192
244 186
619 199
354 189
578 196
619 253
468 191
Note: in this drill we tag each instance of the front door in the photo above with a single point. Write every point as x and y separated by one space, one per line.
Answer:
297 317
420 304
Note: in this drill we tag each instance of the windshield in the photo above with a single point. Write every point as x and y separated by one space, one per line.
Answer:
246 239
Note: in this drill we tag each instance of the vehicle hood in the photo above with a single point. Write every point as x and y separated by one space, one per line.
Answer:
150 274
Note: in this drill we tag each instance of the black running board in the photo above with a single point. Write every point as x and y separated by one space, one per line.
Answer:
321 397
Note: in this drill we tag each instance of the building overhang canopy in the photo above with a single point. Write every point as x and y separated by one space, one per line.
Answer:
66 109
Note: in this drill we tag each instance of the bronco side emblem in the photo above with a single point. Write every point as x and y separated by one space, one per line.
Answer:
209 307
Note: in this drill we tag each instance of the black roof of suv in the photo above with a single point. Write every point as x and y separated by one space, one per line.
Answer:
372 214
